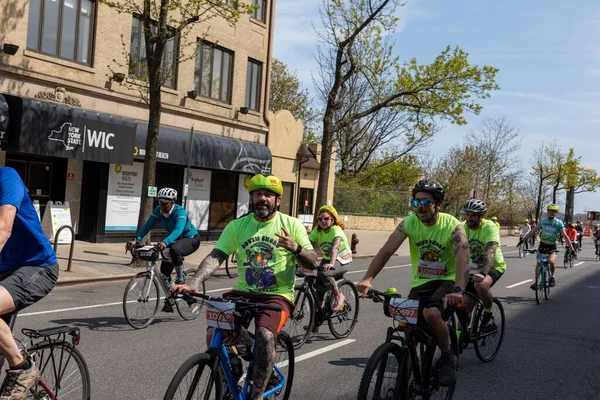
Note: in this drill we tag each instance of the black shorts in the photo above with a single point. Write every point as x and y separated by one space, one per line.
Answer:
494 274
27 284
434 289
547 248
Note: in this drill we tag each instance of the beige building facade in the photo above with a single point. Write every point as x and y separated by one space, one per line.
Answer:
74 123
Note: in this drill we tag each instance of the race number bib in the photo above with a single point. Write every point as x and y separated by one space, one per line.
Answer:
431 269
403 310
473 269
220 315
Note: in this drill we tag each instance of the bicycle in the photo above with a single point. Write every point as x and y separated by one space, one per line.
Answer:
142 292
542 280
216 365
569 257
407 365
231 266
309 313
470 329
523 247
64 372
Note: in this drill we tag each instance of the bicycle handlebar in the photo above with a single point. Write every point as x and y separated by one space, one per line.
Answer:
237 301
424 302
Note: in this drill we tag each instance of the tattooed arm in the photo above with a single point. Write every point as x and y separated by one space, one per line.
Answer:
335 248
490 256
207 267
461 255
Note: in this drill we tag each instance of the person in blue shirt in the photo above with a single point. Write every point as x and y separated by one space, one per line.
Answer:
28 272
182 240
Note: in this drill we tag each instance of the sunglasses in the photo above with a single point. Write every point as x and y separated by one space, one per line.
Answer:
423 202
164 202
323 218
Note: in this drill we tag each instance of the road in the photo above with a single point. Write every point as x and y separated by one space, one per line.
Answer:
550 351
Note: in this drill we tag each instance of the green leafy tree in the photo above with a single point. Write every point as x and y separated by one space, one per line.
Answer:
578 179
356 44
286 94
162 21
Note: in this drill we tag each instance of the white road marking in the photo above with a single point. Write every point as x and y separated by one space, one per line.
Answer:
520 283
392 267
510 252
579 263
325 349
592 287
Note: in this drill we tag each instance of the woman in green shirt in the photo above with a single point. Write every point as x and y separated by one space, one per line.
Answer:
330 237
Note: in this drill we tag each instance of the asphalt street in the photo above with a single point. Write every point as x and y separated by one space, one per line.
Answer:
550 351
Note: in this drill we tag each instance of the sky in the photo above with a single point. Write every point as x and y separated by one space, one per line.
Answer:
547 51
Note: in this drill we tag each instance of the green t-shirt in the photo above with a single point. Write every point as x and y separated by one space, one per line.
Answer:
479 238
431 249
325 241
263 266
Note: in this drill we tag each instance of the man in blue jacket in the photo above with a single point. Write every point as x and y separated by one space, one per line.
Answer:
182 240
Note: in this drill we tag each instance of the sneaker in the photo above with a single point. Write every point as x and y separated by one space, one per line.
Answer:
447 370
168 307
339 304
552 281
17 383
487 323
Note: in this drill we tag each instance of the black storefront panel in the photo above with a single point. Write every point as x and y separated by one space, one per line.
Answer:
57 130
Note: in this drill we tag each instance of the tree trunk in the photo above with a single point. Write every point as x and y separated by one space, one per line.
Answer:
554 192
538 205
569 205
326 150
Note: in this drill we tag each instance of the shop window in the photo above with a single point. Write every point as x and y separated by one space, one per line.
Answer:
223 199
286 200
305 201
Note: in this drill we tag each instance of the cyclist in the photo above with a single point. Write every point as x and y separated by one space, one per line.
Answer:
525 229
270 243
329 236
28 272
486 255
550 228
439 253
182 240
597 238
579 229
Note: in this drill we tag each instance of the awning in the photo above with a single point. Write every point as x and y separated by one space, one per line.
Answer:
208 151
57 130
4 120
307 158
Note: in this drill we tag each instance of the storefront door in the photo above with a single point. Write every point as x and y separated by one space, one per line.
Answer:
223 199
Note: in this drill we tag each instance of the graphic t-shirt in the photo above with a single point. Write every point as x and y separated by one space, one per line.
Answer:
263 266
27 244
478 240
550 229
325 241
431 249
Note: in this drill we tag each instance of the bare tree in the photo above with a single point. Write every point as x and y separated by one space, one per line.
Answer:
355 52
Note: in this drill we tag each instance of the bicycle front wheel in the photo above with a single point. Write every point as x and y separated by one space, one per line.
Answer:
302 321
190 309
487 341
283 372
384 374
64 372
539 287
546 283
521 251
141 301
196 379
342 322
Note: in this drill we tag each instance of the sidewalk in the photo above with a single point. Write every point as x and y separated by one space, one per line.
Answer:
107 261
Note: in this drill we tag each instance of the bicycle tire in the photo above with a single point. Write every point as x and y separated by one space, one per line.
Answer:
57 376
133 284
189 311
521 252
285 359
480 342
302 321
346 317
200 362
377 367
538 287
229 269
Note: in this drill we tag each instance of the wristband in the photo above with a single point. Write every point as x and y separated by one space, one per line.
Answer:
458 289
298 250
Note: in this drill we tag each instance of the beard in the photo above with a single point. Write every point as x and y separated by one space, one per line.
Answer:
263 209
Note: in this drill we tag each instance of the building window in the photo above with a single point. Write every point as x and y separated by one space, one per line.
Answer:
253 84
214 72
231 3
138 67
260 12
62 28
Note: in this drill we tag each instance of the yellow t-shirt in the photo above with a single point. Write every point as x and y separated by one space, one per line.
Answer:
325 241
263 266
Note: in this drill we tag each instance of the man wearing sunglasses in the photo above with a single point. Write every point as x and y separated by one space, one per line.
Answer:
182 240
268 244
487 262
439 253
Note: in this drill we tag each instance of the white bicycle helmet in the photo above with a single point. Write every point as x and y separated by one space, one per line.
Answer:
167 194
475 206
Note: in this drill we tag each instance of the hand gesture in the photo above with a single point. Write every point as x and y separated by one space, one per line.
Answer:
286 241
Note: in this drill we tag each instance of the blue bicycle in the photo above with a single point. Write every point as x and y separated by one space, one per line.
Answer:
542 281
218 373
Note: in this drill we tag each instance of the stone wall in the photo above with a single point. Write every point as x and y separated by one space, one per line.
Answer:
365 222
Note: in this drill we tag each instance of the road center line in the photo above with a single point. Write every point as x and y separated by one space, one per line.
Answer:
520 283
579 263
325 349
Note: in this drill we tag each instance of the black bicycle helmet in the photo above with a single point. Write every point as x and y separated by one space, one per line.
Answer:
475 206
430 186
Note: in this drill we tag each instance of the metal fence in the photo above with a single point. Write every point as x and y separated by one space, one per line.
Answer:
365 201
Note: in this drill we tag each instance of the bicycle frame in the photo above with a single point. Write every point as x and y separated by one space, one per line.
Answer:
218 347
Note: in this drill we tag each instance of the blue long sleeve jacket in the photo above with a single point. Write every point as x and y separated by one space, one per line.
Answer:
177 225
